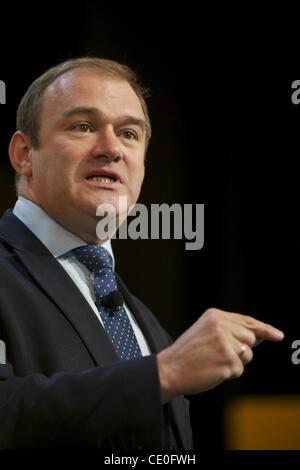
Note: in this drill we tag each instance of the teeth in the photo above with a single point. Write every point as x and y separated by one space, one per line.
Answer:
101 179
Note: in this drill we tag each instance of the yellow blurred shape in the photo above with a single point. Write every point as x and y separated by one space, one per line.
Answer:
268 422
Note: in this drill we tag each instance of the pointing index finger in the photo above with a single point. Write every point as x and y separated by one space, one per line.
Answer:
263 331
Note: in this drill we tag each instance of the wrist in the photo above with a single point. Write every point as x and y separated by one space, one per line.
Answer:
166 376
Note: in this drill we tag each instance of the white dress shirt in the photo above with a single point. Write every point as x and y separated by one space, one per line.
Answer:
60 242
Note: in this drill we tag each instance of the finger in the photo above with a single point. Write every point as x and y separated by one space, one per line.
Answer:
262 331
242 334
244 352
258 341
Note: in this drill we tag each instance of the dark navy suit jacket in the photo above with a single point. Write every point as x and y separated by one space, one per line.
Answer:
63 385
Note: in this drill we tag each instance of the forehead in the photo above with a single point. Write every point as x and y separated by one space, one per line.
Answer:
81 87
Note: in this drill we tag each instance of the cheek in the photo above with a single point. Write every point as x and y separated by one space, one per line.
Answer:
136 184
57 166
137 173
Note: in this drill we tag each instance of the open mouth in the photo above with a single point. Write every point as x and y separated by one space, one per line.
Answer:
102 179
102 175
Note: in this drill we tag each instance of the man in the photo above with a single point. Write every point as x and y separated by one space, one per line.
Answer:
72 375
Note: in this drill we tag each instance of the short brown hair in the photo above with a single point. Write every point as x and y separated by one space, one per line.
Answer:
29 109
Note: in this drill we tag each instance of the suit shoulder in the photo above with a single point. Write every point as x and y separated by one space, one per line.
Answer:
9 265
6 253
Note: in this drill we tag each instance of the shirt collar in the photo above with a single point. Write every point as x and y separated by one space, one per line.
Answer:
54 236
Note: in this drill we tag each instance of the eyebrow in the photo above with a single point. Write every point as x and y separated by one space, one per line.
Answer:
94 112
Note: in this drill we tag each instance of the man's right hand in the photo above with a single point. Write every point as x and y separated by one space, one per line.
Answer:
215 348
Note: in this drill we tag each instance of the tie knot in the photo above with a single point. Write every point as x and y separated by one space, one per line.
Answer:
94 257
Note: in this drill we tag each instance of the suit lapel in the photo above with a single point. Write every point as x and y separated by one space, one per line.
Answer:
55 282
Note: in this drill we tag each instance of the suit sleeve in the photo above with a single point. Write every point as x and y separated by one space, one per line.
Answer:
112 406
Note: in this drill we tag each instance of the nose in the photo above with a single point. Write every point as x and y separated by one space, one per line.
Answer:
107 145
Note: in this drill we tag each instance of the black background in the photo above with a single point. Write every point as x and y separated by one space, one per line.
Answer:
224 134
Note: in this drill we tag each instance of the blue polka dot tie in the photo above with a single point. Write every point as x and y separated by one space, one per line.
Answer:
99 261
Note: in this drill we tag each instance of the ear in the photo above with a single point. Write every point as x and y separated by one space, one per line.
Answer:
20 153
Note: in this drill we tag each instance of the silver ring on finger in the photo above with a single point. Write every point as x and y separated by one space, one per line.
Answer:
242 350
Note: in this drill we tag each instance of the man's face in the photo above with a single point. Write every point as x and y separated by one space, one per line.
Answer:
92 145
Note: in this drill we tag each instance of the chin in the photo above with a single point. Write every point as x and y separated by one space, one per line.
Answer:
112 201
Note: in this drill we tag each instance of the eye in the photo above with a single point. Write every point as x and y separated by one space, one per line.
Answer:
83 127
130 135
